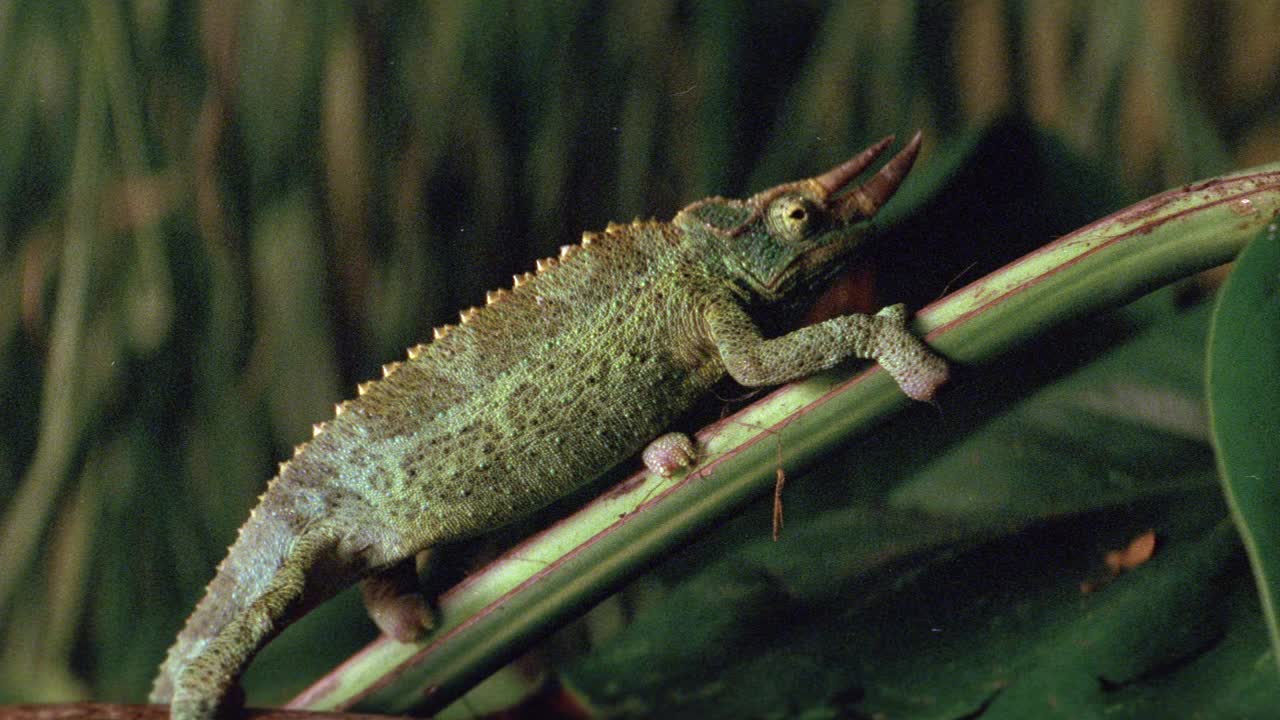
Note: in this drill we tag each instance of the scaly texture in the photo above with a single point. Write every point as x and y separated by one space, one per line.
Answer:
572 370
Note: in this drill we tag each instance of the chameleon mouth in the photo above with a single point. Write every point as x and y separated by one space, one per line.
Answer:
865 200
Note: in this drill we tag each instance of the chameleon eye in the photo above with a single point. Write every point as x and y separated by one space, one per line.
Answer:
792 216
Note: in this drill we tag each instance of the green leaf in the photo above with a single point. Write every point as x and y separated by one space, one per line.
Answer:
1000 627
1244 399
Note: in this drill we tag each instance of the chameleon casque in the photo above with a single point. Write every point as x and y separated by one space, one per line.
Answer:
574 369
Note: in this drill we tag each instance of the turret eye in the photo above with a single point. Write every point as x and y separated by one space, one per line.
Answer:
792 217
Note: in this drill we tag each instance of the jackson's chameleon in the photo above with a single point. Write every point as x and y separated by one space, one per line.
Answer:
569 372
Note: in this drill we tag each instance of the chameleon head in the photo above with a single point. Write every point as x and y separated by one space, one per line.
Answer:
775 240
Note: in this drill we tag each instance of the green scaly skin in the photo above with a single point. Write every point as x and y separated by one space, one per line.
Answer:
571 371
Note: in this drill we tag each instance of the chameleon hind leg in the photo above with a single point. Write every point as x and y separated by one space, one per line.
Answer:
395 602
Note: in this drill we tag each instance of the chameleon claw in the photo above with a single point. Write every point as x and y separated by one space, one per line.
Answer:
896 313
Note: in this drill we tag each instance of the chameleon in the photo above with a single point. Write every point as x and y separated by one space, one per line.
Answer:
575 368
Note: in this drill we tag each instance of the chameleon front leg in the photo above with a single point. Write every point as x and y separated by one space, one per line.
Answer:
753 361
669 453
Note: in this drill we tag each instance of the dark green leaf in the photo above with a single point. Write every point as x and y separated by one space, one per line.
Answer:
1244 399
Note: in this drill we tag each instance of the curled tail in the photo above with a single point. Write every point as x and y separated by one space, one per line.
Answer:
264 584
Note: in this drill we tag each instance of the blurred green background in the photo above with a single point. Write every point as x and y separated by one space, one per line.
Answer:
217 217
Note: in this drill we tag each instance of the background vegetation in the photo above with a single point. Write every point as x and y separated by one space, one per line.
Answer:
216 218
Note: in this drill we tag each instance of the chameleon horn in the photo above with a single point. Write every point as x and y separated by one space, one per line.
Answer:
869 198
840 175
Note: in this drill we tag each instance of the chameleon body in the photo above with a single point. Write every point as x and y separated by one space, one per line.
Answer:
569 372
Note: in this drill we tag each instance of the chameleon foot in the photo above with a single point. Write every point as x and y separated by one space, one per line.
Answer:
896 313
905 357
395 603
669 453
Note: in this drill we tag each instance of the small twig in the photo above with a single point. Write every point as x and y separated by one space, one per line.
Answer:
779 481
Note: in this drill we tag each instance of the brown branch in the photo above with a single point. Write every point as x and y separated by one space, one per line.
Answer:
108 711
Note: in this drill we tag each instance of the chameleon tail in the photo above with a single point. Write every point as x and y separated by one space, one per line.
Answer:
259 589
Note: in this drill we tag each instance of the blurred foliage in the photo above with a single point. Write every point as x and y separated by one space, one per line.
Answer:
217 217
